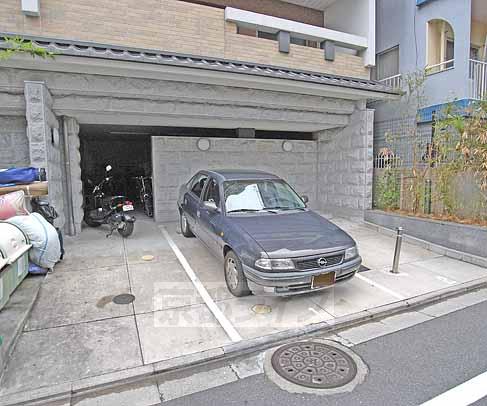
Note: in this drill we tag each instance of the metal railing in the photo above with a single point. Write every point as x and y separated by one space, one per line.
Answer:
478 79
393 81
439 67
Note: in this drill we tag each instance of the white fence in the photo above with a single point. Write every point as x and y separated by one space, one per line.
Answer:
394 81
478 79
440 67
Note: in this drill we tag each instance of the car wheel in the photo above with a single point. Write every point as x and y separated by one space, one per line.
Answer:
234 276
185 229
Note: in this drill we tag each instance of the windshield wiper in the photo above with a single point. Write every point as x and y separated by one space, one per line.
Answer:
243 211
284 208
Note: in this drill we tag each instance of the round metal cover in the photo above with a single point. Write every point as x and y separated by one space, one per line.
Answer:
314 365
261 309
124 298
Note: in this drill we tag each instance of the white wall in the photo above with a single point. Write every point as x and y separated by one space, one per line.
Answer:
354 17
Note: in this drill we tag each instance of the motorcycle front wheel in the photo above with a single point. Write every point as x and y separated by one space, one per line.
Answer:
90 222
126 230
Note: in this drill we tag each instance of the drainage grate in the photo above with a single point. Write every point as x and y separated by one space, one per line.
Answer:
314 365
124 298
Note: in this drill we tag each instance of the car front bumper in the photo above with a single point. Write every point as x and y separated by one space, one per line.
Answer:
296 282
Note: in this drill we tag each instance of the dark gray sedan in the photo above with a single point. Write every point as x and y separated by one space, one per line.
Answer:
270 241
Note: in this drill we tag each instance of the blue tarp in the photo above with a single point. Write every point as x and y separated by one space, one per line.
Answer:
19 176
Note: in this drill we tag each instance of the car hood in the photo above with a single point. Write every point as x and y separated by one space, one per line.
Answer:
294 234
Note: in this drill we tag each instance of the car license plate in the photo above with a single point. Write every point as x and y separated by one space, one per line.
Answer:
325 279
127 207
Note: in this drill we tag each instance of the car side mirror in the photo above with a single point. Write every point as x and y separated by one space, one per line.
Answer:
211 206
305 199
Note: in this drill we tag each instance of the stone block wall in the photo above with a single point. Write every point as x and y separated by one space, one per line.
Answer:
14 144
176 159
346 166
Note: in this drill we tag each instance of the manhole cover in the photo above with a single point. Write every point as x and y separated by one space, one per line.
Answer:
124 298
261 309
314 365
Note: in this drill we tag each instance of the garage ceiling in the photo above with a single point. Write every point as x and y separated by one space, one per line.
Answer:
316 4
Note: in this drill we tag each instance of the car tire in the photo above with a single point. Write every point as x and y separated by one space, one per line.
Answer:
234 277
185 228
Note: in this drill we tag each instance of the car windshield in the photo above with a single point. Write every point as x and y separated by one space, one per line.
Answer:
260 195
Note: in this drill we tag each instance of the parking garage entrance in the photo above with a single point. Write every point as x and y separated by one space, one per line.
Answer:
169 156
128 152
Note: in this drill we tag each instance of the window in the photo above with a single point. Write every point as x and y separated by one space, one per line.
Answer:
474 53
440 46
198 183
251 32
267 35
298 41
212 194
387 64
450 53
304 42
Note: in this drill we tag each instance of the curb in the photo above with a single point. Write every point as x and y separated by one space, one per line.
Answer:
65 391
439 249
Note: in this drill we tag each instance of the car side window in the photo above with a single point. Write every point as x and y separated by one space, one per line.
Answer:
198 184
212 193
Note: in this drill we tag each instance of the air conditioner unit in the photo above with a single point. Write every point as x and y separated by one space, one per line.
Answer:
31 7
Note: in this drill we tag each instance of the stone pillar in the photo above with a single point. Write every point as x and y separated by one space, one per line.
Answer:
38 130
45 144
71 129
369 173
345 166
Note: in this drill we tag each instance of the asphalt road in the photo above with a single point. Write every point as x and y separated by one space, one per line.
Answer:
408 367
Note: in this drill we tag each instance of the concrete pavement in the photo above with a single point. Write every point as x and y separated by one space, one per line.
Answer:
76 332
407 366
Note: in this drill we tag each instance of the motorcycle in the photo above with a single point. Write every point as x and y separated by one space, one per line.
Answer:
50 214
116 211
144 185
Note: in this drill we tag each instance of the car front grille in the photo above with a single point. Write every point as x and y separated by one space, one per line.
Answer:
307 264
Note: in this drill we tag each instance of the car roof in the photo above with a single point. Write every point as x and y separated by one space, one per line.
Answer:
240 174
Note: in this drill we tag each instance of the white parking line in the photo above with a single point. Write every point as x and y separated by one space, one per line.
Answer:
224 322
462 395
379 286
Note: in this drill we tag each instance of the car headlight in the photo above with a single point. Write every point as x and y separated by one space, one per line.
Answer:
274 264
351 253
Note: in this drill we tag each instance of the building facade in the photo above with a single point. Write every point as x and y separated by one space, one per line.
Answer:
274 85
443 39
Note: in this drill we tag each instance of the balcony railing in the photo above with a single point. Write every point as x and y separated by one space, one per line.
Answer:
440 67
478 79
393 81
